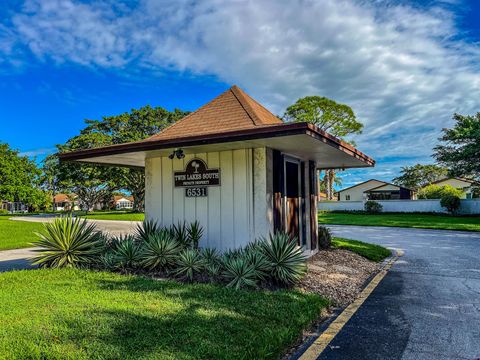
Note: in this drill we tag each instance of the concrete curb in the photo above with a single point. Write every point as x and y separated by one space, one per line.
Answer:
313 347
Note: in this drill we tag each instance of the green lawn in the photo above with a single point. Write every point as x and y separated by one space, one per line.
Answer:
80 314
114 215
370 251
20 234
425 221
17 234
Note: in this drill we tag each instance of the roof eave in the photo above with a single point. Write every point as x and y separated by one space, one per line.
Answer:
238 135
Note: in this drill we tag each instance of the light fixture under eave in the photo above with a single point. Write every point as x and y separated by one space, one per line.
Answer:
178 153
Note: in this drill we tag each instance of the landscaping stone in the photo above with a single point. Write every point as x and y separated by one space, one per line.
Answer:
338 275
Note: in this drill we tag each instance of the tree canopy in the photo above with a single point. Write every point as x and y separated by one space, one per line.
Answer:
438 192
420 175
337 119
459 147
135 125
20 179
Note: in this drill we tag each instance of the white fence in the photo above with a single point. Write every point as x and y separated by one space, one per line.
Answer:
469 206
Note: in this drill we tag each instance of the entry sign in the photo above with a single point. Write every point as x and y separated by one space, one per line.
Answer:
196 175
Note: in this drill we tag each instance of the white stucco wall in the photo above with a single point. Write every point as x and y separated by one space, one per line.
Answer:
356 193
232 214
466 207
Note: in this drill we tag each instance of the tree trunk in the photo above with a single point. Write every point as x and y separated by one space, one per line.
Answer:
329 181
135 184
138 200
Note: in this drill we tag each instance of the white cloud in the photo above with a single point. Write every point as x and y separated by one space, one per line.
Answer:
402 69
38 152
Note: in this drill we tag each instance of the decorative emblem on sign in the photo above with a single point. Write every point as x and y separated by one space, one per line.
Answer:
197 174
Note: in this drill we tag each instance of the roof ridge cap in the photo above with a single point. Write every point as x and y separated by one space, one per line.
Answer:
240 96
186 117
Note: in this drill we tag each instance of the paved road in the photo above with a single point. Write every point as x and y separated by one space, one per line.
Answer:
427 307
15 259
113 227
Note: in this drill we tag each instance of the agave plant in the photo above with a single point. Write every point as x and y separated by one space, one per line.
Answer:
112 242
254 245
212 261
109 261
239 273
128 253
68 242
210 255
189 264
180 233
288 264
147 228
324 237
259 261
195 233
160 251
233 253
213 269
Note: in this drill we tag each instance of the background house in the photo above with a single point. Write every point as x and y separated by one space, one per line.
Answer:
466 185
376 190
13 206
122 202
65 202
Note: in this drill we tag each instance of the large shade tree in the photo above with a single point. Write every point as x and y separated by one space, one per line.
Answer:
20 179
135 125
420 175
459 147
337 119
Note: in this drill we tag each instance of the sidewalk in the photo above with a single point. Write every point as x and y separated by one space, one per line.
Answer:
15 259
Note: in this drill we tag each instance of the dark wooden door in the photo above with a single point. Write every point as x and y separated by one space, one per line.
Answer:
292 195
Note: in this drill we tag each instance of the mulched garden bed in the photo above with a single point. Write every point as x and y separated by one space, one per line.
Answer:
339 275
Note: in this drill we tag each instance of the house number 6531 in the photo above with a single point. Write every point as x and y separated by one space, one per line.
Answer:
196 192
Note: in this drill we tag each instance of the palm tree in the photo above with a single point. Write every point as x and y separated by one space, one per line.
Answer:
329 179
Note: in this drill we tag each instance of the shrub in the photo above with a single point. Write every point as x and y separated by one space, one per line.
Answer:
179 233
195 233
160 251
146 229
109 261
234 253
3 212
68 242
239 272
450 202
288 264
212 261
373 207
433 191
210 255
259 262
128 254
189 263
324 237
213 269
112 242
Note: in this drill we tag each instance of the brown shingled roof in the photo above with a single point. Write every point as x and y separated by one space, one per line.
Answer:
231 117
230 111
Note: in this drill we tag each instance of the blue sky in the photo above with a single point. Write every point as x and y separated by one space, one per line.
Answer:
405 67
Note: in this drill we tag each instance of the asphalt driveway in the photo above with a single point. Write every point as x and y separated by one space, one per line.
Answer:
427 307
